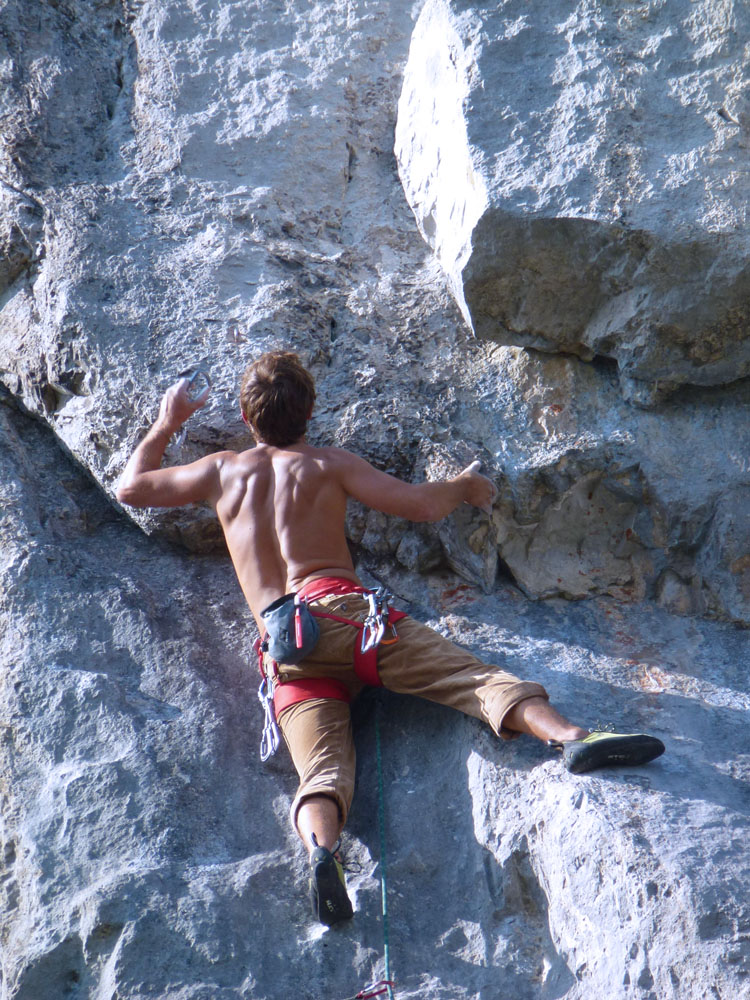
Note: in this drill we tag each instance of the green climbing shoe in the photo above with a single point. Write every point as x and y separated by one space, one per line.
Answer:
600 749
330 903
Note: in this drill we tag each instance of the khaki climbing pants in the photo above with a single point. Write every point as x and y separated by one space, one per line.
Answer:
318 731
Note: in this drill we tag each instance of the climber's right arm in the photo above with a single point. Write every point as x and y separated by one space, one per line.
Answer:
145 484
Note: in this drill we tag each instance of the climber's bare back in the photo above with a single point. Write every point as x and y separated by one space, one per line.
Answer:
283 512
283 509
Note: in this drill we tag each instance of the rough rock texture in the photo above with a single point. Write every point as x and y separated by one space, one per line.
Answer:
184 182
219 189
147 854
581 171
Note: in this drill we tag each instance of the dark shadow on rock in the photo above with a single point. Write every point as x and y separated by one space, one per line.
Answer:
455 914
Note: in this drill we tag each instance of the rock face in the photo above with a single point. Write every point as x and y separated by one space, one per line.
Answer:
147 852
172 214
198 182
580 172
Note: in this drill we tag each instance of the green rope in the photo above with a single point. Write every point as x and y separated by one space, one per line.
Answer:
381 824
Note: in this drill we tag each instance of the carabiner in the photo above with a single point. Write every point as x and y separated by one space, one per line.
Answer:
270 738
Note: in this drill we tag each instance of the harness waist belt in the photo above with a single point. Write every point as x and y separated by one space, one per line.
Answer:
324 586
365 663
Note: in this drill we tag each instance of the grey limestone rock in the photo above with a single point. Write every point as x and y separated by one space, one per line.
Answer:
726 579
184 183
182 215
580 171
147 854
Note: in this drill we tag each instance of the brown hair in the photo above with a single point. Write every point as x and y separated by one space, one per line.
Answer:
277 396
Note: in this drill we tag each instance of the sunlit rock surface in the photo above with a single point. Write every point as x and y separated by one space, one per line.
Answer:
197 182
580 170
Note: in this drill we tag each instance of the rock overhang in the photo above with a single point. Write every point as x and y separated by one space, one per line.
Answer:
582 182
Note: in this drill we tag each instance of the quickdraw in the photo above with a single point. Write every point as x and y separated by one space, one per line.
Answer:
376 621
380 616
373 990
271 737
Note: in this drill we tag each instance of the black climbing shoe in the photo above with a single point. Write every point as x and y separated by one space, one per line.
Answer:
330 903
607 750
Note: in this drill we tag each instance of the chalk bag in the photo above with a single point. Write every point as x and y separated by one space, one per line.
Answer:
291 629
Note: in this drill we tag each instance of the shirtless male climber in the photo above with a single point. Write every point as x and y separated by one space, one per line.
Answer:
282 506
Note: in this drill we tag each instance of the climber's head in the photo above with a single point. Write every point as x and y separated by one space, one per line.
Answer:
277 396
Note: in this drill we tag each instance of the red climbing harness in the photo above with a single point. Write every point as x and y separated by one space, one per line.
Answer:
381 616
368 636
374 989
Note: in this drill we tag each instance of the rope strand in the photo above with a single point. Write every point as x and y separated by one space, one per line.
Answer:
381 824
